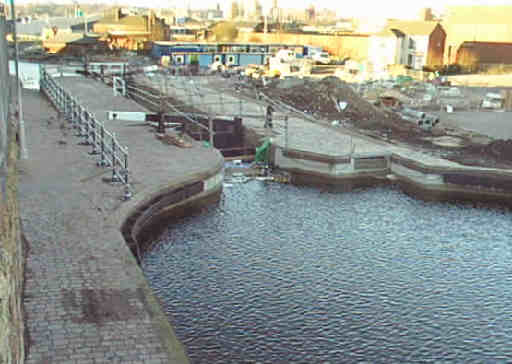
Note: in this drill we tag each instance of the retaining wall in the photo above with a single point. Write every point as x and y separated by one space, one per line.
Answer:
423 181
147 218
11 249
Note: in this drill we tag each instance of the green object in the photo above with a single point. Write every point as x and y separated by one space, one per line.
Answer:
403 79
262 152
206 144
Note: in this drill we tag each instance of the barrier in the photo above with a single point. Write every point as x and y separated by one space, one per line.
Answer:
103 143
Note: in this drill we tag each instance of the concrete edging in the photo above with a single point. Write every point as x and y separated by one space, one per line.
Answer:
147 210
422 181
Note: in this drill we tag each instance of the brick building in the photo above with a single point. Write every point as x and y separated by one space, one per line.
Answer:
484 55
476 24
132 32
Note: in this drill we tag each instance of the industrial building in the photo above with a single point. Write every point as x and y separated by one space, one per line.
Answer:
229 54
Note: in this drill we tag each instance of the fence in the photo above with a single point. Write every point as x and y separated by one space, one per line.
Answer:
103 143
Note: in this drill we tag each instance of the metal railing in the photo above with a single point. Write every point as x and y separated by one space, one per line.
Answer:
103 143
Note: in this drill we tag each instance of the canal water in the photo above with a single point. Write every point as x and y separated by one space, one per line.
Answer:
284 274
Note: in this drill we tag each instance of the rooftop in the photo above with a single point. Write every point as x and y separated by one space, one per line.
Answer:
413 27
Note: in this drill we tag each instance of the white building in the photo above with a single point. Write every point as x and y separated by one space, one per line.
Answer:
412 43
387 47
426 41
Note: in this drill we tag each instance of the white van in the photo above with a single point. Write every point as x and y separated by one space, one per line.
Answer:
321 57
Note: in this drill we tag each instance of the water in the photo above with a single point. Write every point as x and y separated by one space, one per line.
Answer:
281 274
29 73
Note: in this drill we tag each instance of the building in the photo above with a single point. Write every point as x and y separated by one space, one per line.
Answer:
275 12
188 32
132 32
388 47
229 54
484 55
47 28
342 45
476 24
208 14
74 44
426 42
234 11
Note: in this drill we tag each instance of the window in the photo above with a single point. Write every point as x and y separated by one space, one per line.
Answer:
257 49
238 49
409 60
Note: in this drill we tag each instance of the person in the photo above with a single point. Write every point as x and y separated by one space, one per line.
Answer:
268 117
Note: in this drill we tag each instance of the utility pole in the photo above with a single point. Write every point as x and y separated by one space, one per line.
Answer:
21 123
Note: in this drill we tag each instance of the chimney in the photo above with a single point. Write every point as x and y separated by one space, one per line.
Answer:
117 14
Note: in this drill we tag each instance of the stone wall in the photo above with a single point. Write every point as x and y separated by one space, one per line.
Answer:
11 248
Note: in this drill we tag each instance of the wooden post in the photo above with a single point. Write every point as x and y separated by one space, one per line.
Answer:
161 117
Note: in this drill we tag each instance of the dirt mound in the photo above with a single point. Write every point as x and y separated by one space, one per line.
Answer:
322 96
326 98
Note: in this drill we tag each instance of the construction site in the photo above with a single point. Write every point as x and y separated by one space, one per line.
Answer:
228 109
164 135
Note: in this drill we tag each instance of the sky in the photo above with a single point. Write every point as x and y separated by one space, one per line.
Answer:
344 8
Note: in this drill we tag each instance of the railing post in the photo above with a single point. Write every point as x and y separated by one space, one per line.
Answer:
102 161
126 165
114 159
94 124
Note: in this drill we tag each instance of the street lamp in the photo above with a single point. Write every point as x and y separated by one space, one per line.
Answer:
21 123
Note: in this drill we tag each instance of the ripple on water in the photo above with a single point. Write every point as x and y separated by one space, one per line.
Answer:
281 274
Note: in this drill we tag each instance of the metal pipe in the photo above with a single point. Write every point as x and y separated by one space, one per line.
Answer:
418 114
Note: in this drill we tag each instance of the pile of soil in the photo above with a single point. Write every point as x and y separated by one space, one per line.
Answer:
319 98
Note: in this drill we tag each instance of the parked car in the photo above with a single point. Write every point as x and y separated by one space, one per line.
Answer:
492 101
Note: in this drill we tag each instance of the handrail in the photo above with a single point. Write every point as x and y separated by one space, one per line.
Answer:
103 142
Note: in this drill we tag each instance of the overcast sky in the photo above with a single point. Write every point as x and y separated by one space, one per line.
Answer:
344 8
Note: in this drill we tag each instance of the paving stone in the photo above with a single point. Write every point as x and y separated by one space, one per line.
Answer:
83 297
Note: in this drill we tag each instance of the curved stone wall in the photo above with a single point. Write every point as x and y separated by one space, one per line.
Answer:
149 217
146 215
